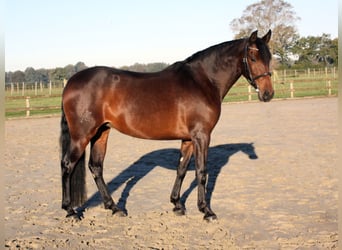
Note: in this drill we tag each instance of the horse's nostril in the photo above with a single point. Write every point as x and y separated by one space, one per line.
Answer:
267 96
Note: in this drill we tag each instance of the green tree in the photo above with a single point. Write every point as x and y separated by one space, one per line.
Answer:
155 67
80 66
57 75
316 50
30 75
150 67
276 15
42 75
18 76
69 70
8 77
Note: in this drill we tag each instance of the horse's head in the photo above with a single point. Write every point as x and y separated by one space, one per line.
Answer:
257 58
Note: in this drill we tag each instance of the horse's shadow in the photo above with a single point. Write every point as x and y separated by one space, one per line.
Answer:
218 157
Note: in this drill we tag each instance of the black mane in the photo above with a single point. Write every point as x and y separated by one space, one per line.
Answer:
224 48
218 49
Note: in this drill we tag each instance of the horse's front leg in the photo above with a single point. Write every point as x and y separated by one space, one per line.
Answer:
97 154
201 144
185 156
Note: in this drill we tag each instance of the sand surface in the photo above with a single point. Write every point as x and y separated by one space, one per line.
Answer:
272 183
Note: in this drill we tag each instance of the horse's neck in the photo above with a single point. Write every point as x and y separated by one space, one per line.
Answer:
222 70
225 81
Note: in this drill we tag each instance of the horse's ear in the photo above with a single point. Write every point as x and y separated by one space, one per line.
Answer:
267 37
253 37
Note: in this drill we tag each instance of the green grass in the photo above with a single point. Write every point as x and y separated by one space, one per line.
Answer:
39 106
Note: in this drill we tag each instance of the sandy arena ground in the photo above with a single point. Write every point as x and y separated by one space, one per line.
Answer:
272 183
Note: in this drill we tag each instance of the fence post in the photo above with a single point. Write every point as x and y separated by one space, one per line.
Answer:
249 93
292 89
23 89
334 72
329 88
12 88
27 106
35 88
50 87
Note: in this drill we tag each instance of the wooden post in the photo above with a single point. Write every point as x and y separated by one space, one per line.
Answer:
41 87
35 88
50 88
329 88
27 106
23 89
12 88
249 93
334 72
292 89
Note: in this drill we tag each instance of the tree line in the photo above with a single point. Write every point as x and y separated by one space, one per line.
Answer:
59 74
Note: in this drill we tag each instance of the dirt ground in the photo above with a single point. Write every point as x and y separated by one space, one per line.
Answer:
272 183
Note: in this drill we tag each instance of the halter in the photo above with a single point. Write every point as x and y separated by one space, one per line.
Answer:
250 78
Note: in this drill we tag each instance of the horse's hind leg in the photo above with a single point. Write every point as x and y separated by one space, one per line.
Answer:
97 154
185 156
73 180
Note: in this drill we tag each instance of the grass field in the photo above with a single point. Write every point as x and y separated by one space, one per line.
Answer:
306 83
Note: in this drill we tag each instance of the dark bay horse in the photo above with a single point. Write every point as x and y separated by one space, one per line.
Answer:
181 102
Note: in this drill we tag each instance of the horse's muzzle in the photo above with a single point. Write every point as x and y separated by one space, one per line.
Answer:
266 96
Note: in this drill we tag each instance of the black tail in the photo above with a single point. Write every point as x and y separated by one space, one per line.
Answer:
78 192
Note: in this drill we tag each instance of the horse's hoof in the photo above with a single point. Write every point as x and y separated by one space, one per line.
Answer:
210 217
74 216
119 213
179 211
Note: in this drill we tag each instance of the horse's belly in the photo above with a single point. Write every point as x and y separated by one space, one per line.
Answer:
150 127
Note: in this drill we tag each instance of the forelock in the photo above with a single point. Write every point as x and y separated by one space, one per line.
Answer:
264 51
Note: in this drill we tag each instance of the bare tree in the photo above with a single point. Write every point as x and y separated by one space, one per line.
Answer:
276 15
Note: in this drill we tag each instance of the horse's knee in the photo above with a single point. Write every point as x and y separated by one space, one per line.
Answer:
95 169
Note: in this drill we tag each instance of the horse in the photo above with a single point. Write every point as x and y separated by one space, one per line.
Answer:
181 102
